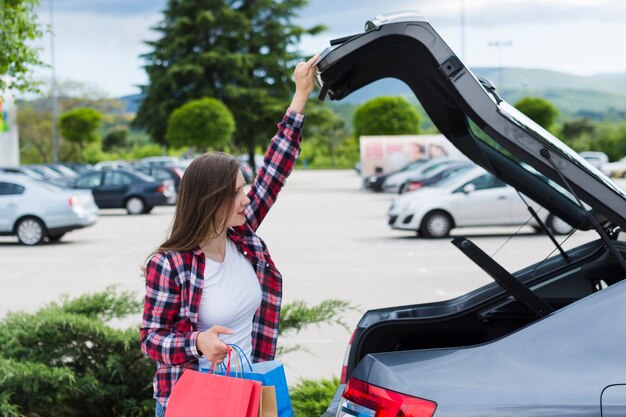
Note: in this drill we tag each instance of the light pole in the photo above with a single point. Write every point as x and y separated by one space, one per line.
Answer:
500 45
53 96
463 30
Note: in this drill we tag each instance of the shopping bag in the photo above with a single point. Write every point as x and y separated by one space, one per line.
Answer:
268 402
198 394
270 373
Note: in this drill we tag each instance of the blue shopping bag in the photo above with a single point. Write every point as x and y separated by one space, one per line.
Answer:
271 373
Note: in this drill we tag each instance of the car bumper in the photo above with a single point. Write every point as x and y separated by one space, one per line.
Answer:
404 220
78 223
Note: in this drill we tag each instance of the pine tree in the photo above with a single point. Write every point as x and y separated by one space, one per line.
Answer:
241 52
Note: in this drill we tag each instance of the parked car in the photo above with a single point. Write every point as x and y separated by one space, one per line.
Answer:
161 161
63 170
79 167
394 182
44 171
597 159
474 198
375 182
163 172
118 188
612 169
547 340
113 165
22 171
34 210
246 170
436 175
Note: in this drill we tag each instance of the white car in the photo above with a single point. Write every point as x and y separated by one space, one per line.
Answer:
35 210
475 198
597 159
394 182
613 168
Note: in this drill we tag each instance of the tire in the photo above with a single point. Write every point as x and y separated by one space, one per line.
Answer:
558 226
135 206
30 231
436 224
148 209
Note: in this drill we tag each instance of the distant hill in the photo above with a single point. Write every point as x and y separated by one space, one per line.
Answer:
597 97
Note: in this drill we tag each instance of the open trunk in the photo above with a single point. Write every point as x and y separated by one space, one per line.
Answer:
489 312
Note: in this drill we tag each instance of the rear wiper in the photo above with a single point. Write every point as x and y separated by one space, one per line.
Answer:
546 154
504 278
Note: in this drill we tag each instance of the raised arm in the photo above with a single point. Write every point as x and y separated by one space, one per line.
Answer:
283 150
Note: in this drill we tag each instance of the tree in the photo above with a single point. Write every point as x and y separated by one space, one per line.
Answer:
326 133
540 110
80 126
386 116
239 52
204 123
116 138
35 130
18 57
573 129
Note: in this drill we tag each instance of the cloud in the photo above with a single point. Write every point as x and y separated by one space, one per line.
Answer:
105 7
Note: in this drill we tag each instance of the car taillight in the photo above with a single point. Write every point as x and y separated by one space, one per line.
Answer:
365 400
344 367
74 201
415 186
161 188
178 172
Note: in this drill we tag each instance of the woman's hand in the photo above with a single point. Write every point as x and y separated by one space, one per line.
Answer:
303 75
210 346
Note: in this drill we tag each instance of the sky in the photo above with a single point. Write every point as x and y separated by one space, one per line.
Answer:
99 42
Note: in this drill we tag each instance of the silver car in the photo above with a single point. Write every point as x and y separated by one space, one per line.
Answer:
394 182
475 198
35 211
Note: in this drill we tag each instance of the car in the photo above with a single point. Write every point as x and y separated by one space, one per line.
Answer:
62 169
46 172
35 211
473 198
612 169
375 182
119 188
597 159
160 161
393 183
435 175
22 171
163 172
113 165
547 340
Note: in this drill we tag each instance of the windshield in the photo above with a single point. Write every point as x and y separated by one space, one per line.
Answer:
550 141
453 178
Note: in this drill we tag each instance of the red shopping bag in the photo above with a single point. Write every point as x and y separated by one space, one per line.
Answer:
198 394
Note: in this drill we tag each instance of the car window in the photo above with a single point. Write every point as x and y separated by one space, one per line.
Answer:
161 174
8 188
485 182
117 178
89 181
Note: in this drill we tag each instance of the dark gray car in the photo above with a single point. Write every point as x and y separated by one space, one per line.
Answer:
548 340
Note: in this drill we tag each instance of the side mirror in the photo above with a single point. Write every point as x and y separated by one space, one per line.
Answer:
469 188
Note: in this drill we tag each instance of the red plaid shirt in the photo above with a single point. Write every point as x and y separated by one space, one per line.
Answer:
174 280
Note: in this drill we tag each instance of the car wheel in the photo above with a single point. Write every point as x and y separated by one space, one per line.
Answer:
436 225
147 210
30 231
135 206
558 226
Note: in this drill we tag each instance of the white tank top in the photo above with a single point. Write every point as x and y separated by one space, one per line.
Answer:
231 296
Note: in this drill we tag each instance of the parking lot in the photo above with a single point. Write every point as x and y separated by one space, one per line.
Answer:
328 237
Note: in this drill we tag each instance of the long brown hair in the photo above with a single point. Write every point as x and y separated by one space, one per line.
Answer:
205 197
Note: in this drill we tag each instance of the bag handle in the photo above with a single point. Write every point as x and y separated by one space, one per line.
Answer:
212 368
240 353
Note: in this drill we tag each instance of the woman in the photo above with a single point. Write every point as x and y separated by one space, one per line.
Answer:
213 282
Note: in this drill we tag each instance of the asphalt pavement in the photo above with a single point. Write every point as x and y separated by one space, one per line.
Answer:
328 237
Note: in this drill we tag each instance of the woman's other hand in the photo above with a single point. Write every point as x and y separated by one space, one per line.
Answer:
210 346
303 76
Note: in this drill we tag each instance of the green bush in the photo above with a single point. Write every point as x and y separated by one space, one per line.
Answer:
540 110
67 360
386 116
311 398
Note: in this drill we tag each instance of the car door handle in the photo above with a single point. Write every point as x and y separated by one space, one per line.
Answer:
503 197
11 205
